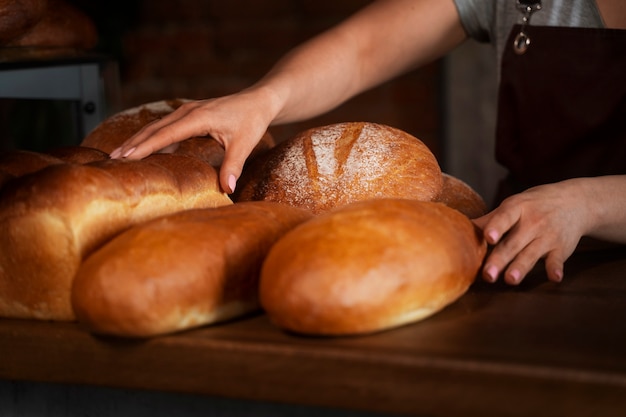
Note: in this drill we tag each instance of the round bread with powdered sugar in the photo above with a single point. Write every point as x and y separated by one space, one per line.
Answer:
331 166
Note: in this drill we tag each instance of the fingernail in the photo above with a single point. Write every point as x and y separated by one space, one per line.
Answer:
493 236
116 153
232 183
558 275
492 273
128 152
515 276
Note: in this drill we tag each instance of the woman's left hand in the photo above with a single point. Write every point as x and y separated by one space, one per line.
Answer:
548 221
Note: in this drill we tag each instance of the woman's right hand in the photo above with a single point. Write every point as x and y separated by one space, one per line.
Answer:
311 80
236 121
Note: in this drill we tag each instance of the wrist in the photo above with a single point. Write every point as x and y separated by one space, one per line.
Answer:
269 100
605 204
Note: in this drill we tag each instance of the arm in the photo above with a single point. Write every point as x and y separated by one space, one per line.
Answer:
548 221
383 40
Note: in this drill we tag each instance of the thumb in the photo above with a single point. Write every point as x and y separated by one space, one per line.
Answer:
234 159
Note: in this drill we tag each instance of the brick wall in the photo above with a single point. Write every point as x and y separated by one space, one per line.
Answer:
207 48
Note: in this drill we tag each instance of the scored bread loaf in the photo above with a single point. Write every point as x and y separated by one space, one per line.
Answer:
330 166
180 271
116 129
370 266
460 196
53 217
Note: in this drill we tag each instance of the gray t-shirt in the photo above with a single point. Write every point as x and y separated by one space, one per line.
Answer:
492 20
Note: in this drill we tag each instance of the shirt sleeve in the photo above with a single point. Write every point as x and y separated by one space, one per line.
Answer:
477 17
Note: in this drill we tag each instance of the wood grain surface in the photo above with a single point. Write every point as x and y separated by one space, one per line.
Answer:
540 349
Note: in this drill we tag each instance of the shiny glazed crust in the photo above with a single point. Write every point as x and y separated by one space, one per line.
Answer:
370 266
51 218
180 271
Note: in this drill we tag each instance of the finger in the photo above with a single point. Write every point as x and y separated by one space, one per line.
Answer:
482 221
555 262
524 262
235 155
505 252
497 223
161 133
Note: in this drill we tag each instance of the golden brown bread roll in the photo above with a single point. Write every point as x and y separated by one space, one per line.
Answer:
116 129
62 25
370 266
78 154
180 271
330 166
18 16
22 162
52 218
460 196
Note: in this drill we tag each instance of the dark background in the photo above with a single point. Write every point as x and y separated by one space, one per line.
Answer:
200 49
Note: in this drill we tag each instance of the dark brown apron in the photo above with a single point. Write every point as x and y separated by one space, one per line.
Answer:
562 106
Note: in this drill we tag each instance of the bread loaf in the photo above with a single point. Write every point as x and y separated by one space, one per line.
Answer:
62 25
370 266
78 154
115 130
180 271
21 162
460 196
18 16
330 166
52 218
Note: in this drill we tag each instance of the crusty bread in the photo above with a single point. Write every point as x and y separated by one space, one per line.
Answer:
18 16
180 271
53 217
330 166
116 129
78 154
62 25
370 266
21 162
460 196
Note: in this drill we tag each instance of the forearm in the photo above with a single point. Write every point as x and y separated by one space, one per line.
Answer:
381 41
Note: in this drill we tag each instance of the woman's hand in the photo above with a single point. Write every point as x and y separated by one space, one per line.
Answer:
310 80
548 221
237 122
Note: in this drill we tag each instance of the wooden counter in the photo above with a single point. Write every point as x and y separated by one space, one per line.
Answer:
540 349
